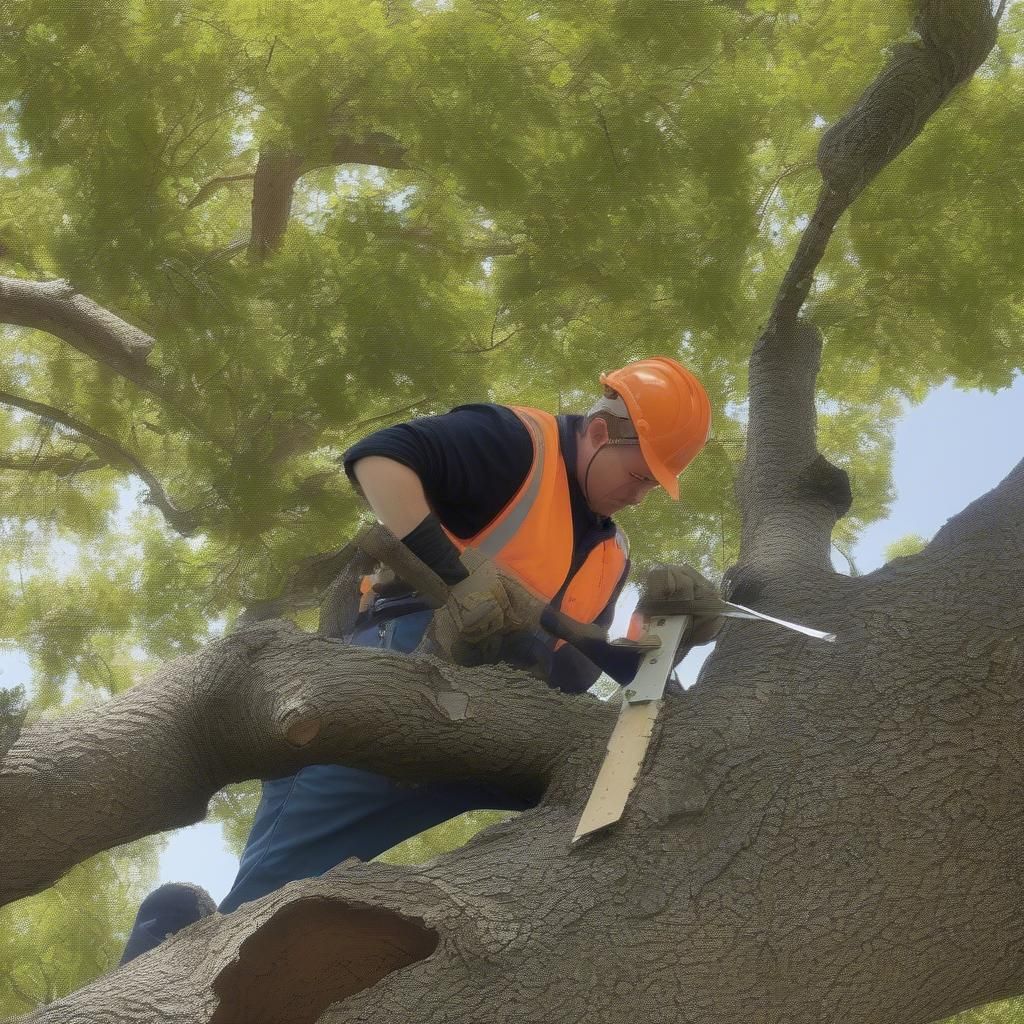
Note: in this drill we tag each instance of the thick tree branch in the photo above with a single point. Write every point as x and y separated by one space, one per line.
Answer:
61 465
58 309
272 192
277 172
377 149
842 822
264 702
55 307
789 496
115 455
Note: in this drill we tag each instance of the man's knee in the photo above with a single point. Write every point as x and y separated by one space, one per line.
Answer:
163 912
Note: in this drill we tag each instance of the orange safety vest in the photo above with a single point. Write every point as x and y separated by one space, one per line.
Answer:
531 538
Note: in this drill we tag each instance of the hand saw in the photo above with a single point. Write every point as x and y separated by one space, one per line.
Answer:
627 747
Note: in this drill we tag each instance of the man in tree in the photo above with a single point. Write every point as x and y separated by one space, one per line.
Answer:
532 492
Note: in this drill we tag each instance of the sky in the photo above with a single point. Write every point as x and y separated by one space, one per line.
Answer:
949 450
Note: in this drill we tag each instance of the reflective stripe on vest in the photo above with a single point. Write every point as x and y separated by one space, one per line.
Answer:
532 537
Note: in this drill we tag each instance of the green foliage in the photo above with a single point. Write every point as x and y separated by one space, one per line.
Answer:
60 939
910 544
234 807
1007 1011
583 183
449 835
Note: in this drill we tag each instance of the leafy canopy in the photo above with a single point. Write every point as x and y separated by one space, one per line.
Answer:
576 185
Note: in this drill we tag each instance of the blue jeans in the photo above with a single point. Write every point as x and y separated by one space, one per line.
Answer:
310 822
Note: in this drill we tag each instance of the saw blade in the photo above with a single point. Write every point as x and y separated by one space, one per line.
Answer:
627 748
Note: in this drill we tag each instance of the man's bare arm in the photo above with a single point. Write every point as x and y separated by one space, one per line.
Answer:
394 492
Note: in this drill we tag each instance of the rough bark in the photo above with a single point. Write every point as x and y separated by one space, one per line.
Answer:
790 496
821 832
263 702
57 308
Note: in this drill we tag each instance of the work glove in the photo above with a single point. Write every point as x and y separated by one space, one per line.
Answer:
480 609
681 590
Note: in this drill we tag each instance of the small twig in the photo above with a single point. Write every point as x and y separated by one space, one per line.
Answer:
214 185
607 136
106 447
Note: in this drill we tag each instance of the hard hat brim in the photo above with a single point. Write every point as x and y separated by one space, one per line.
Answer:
661 473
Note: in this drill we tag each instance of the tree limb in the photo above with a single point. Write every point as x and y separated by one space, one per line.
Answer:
790 496
825 816
57 308
114 454
278 171
61 465
266 701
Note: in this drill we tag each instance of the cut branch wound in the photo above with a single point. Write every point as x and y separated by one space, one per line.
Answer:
313 953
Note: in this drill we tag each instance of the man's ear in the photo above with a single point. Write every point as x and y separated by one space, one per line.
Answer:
597 431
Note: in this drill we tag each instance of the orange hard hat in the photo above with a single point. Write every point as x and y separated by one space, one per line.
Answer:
669 410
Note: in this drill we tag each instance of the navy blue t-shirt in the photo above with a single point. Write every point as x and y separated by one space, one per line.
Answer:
471 462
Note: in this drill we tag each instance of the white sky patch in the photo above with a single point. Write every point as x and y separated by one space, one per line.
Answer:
15 670
63 558
400 200
737 411
315 201
129 501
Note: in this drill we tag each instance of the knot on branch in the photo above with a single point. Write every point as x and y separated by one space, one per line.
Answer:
819 479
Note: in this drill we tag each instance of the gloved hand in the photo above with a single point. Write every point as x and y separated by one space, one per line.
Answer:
469 627
681 590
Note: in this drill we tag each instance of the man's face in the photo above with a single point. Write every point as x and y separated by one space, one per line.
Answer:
619 476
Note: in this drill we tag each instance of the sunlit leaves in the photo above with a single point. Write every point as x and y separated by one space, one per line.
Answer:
59 940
